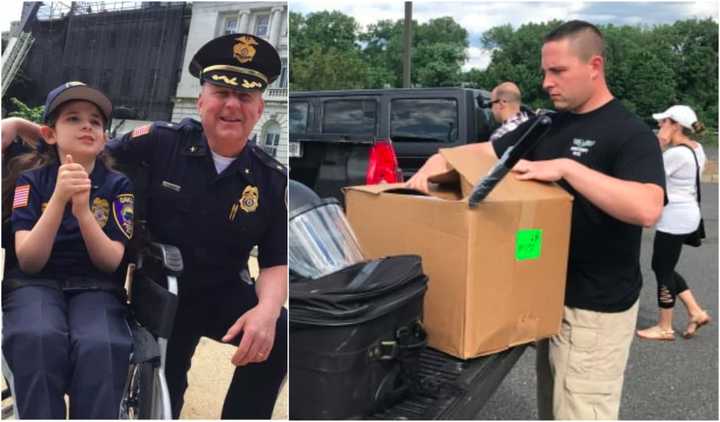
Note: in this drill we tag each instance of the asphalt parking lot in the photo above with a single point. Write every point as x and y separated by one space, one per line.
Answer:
664 380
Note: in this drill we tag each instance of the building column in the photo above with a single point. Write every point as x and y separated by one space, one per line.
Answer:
275 26
244 20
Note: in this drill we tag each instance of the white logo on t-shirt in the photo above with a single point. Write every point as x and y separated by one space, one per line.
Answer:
581 146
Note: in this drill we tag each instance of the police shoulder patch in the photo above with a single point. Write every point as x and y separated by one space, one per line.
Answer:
123 212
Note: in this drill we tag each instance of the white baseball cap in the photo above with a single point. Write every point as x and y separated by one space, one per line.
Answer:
679 113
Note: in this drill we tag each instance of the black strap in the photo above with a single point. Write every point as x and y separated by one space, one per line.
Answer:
697 171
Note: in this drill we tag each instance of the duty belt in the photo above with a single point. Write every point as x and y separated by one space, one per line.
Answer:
69 284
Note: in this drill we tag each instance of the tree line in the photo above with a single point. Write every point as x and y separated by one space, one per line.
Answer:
648 68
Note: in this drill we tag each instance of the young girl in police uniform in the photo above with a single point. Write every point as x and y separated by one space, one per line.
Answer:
64 328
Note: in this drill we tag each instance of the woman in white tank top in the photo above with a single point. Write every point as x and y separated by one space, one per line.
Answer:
680 217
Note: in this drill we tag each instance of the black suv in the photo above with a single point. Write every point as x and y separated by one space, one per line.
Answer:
332 132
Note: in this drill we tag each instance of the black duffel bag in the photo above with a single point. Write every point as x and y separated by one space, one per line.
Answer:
355 338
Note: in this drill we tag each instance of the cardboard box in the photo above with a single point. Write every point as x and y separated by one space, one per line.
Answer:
497 273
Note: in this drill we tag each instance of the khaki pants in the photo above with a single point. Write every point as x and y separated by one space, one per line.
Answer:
580 371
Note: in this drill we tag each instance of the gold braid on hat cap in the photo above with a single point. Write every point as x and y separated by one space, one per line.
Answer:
236 69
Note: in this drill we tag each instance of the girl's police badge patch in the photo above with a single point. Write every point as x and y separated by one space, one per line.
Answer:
123 213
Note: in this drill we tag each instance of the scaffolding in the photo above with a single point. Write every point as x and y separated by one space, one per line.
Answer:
13 58
60 10
131 51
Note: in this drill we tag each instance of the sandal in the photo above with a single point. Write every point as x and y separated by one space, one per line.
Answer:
656 333
695 324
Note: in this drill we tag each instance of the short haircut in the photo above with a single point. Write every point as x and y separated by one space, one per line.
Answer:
586 38
508 95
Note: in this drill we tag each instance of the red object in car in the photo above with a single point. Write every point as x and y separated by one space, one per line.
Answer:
383 164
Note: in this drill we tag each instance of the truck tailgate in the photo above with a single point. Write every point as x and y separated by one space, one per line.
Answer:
328 165
452 388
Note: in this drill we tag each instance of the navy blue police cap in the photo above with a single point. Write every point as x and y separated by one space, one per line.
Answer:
70 91
242 62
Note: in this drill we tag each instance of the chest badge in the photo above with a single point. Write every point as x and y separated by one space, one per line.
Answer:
101 211
250 198
123 211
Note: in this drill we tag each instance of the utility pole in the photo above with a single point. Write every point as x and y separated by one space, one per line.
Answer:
407 44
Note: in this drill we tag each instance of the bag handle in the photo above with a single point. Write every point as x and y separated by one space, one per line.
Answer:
408 341
697 171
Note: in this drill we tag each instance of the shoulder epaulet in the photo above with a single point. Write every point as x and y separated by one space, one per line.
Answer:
267 159
167 125
188 123
145 130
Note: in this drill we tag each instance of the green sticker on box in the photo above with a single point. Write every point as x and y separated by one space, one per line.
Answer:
528 244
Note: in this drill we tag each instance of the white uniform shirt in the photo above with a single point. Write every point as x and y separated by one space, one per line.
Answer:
681 215
221 162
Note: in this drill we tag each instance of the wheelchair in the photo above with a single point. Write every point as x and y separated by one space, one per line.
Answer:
150 271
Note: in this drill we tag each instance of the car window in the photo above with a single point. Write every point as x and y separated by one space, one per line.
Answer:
298 116
350 116
418 119
486 124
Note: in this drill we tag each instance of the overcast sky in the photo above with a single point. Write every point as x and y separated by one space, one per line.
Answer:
479 16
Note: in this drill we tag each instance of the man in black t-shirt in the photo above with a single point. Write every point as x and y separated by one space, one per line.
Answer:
611 163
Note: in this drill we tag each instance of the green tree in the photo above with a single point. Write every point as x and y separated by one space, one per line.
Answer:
636 70
34 114
383 52
515 57
693 50
438 64
330 69
438 51
323 47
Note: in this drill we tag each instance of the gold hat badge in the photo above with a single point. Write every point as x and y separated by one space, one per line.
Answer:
244 51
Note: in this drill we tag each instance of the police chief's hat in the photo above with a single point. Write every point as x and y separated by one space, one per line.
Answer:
242 62
70 91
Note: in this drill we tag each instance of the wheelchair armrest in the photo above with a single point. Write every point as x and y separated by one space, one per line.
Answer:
169 255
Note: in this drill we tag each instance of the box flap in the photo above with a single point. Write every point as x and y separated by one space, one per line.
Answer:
473 167
384 187
449 177
443 191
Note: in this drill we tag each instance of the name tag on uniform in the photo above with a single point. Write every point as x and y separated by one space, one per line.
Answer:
171 186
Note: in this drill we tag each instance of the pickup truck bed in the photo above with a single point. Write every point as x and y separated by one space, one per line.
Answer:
330 163
452 388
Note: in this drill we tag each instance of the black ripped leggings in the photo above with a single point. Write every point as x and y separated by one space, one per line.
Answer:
666 253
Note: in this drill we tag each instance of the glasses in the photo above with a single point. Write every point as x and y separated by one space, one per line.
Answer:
489 103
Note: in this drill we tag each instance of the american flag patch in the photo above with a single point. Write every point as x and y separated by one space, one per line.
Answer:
140 131
22 196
